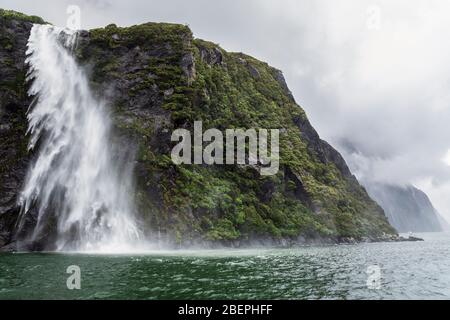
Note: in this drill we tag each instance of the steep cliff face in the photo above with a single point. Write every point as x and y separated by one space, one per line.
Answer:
158 78
407 208
14 102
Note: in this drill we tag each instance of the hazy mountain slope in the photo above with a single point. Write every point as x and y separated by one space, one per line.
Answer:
445 226
407 208
157 78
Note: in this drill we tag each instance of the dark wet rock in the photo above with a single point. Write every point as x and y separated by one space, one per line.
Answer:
188 66
253 71
412 238
14 158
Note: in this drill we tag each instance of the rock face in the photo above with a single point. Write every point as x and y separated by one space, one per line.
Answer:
408 209
14 102
158 78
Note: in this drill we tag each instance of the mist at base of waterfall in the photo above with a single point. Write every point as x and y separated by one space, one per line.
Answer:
409 270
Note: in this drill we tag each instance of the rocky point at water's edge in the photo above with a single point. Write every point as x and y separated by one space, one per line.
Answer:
157 77
238 244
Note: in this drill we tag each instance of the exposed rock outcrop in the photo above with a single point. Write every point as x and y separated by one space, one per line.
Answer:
14 102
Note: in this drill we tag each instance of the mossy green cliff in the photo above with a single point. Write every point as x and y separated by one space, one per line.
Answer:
157 77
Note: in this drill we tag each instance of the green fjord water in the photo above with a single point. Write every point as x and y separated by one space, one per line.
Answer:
408 270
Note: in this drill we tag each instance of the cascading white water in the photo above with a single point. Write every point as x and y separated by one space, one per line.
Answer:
75 176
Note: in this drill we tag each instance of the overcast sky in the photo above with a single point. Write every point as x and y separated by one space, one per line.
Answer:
373 76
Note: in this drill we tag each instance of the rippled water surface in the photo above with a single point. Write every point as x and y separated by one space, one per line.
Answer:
408 270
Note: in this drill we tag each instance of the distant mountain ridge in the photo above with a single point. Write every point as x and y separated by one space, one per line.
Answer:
408 209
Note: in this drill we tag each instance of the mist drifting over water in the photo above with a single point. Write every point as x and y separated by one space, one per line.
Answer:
75 179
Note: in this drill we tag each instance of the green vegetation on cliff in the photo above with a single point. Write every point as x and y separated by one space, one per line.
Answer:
13 96
157 78
18 16
14 31
164 79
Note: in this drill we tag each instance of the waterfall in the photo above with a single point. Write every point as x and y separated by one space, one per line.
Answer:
77 180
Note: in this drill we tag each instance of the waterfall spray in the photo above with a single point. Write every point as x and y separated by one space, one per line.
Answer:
76 181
